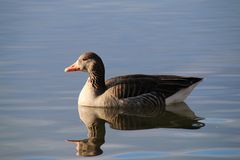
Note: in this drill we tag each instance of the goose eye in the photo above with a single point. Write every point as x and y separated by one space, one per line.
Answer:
85 58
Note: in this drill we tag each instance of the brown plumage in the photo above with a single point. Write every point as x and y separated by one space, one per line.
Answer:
134 85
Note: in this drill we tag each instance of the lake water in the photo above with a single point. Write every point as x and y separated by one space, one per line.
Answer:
38 101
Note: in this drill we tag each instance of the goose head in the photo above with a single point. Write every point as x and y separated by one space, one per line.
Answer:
87 62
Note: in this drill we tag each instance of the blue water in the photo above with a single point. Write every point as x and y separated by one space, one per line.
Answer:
38 101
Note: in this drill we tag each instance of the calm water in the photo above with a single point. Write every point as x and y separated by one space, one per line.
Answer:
38 101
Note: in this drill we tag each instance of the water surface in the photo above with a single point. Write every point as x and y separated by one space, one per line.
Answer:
38 101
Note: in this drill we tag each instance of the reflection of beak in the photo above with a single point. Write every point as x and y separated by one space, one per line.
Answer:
72 68
73 141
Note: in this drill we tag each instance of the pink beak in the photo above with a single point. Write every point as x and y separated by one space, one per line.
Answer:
72 68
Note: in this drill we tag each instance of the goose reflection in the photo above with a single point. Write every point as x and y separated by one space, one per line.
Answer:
173 116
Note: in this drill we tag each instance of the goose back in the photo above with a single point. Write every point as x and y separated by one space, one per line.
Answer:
134 85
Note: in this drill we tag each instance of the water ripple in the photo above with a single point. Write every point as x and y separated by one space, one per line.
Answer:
216 152
141 155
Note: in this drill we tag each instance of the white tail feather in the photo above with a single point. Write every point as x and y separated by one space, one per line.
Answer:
181 95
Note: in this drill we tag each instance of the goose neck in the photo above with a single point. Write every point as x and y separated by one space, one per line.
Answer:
97 81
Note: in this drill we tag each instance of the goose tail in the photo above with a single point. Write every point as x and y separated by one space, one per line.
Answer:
182 94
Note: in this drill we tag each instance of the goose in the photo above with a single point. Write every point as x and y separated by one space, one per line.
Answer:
128 90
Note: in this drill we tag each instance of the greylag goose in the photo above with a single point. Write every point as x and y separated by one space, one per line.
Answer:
129 90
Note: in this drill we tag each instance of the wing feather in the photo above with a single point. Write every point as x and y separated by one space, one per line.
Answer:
134 85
